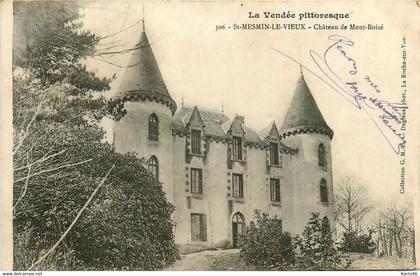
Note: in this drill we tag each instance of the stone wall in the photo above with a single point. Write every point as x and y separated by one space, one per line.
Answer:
131 134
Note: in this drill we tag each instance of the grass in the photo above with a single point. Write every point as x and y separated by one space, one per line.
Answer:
233 262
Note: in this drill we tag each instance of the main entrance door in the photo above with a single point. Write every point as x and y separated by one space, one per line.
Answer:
238 227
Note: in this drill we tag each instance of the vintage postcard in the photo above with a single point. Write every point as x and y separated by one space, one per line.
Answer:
210 136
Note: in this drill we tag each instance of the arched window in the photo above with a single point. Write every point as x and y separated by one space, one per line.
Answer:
238 218
153 127
321 155
154 166
324 191
238 228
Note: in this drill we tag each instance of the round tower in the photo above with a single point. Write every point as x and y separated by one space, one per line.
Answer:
146 127
305 129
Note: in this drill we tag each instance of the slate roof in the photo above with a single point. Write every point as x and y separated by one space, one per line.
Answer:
213 126
303 111
142 77
212 121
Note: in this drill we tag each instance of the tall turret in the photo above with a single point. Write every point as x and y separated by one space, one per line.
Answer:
146 128
305 129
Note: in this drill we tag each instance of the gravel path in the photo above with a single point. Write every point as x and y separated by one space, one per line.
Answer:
200 261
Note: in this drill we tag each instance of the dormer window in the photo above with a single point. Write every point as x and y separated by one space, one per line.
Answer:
195 141
153 127
237 148
274 154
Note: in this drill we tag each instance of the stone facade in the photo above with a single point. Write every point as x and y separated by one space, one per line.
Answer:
217 171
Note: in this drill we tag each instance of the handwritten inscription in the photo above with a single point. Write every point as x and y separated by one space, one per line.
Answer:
360 90
388 117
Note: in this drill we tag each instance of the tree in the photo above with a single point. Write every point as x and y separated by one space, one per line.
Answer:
394 229
358 242
316 247
265 245
49 39
351 206
59 160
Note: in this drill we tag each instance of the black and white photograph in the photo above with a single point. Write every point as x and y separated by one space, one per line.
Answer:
210 136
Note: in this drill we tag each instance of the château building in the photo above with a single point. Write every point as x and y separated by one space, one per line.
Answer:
216 170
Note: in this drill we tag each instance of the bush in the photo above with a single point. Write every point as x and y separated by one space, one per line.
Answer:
56 168
129 226
360 243
60 157
316 247
265 245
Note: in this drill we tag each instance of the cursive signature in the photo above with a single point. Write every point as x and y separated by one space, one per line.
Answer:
358 89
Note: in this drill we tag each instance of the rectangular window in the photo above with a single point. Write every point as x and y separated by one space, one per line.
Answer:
275 189
195 141
197 181
238 185
198 227
237 148
274 154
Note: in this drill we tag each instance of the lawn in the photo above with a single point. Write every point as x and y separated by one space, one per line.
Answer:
232 262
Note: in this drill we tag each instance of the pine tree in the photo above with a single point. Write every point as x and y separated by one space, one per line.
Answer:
60 158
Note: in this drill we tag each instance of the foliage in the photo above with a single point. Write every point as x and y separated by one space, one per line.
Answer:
316 246
59 159
59 163
355 242
49 39
265 245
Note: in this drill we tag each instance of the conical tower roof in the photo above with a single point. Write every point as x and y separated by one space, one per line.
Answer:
303 114
142 79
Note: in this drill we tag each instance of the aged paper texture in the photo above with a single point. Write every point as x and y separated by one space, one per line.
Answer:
209 135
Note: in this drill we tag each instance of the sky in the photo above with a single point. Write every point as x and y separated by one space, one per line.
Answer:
240 71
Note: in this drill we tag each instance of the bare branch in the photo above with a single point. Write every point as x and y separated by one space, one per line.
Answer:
25 187
43 159
55 169
28 127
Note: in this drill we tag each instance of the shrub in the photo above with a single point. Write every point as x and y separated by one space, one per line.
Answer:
60 157
316 247
360 243
57 167
265 245
129 226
